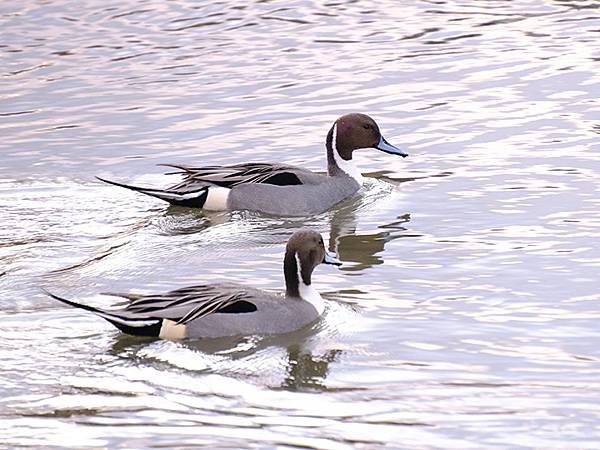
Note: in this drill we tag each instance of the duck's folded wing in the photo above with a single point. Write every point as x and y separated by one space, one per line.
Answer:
231 176
145 314
231 304
188 304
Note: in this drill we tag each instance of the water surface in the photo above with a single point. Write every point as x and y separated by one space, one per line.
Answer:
466 313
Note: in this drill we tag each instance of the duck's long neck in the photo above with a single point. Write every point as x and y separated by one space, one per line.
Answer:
298 282
336 165
294 276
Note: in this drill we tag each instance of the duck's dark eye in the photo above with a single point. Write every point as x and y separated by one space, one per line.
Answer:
366 126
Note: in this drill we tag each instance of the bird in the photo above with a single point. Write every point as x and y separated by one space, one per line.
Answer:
274 188
228 309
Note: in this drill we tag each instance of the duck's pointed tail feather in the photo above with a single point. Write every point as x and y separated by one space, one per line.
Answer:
142 326
191 199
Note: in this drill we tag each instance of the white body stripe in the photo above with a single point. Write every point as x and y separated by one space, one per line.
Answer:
173 196
347 166
170 330
124 321
217 198
189 196
309 293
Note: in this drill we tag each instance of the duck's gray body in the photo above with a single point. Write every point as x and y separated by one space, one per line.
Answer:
219 310
276 188
307 192
275 314
304 199
247 311
243 311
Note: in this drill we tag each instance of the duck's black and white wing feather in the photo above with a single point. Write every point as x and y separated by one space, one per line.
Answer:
195 197
187 304
132 324
193 190
234 175
144 315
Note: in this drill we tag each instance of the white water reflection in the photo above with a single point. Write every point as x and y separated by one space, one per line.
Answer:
465 314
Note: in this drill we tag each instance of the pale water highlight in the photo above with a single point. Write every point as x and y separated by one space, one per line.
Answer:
466 312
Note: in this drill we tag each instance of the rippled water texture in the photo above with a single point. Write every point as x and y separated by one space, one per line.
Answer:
466 313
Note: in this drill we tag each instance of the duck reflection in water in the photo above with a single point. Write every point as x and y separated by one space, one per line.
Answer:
303 367
364 249
307 371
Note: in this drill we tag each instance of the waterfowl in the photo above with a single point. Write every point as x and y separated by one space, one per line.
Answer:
275 188
218 310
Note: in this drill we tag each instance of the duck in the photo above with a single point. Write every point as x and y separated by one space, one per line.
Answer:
228 309
274 188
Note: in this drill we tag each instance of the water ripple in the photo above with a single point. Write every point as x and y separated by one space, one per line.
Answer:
465 313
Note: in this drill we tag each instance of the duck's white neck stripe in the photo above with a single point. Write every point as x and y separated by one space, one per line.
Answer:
308 292
347 167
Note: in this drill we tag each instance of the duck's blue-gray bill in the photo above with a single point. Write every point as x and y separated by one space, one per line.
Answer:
331 258
385 146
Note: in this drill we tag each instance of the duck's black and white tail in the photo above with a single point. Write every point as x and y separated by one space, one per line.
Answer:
192 199
141 326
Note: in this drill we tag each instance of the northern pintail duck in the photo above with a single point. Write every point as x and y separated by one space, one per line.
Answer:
277 188
218 310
